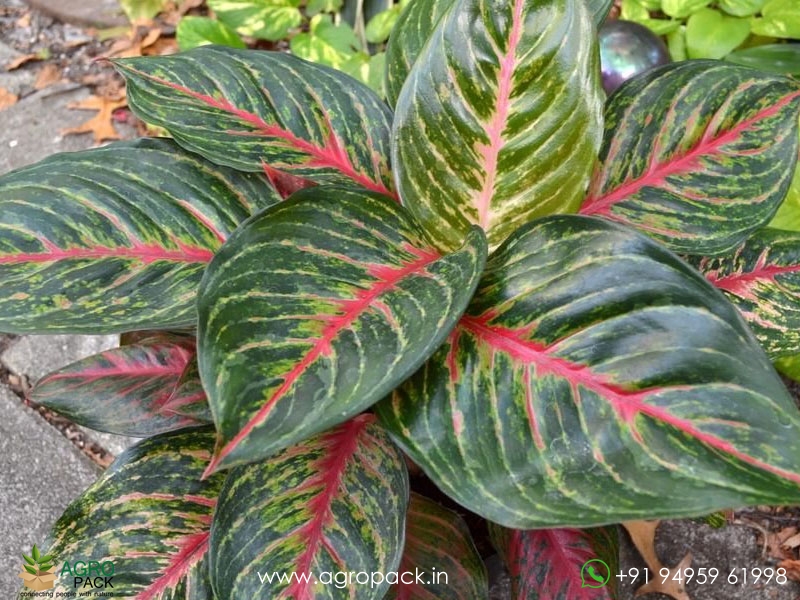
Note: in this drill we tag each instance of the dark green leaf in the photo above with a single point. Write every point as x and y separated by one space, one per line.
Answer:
335 503
245 109
775 58
551 564
150 514
263 19
351 301
115 238
597 378
499 146
439 547
712 34
697 154
199 31
414 26
762 278
124 390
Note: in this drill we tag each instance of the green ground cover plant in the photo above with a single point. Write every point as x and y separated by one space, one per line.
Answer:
562 310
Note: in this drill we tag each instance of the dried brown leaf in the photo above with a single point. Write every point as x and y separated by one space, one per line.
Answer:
792 568
101 125
47 75
643 536
16 63
7 99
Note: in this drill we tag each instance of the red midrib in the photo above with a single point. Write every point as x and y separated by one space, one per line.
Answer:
388 277
626 403
178 358
498 123
341 445
144 253
331 155
657 173
740 284
192 549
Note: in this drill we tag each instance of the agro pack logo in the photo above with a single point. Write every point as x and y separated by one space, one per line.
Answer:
88 575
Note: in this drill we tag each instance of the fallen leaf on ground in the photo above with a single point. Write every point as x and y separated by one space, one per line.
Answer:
16 63
7 99
134 45
792 569
777 543
175 10
101 125
643 536
47 75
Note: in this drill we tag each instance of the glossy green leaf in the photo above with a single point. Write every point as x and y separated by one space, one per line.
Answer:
142 10
414 26
697 154
741 8
368 300
788 215
713 34
676 42
680 9
150 514
245 109
439 551
380 26
368 69
317 6
775 58
779 18
762 278
120 391
115 238
333 504
500 147
325 42
551 564
597 378
263 19
633 10
200 31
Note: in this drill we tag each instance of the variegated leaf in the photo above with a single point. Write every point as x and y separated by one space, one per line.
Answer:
351 300
597 378
697 154
124 390
150 515
115 238
247 109
548 564
409 35
415 26
762 278
334 504
440 561
499 120
189 399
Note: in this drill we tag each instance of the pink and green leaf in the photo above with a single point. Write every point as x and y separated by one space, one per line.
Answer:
697 154
499 120
588 348
248 109
762 278
351 299
334 503
124 390
150 514
547 564
439 551
189 399
115 238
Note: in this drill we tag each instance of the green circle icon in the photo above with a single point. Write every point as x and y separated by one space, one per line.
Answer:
595 573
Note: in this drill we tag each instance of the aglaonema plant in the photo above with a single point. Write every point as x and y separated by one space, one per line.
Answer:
563 313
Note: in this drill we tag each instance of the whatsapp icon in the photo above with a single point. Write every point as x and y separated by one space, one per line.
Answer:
595 573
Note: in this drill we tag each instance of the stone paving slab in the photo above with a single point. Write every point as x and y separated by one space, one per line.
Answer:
40 474
38 355
102 13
